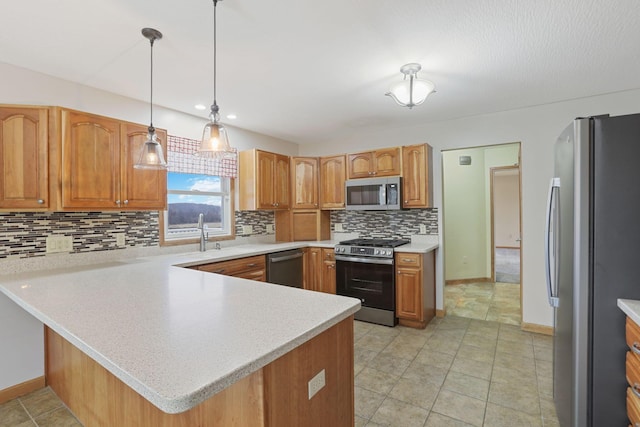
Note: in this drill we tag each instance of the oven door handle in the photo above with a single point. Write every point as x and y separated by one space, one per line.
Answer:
365 260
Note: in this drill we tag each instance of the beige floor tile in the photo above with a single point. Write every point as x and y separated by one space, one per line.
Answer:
548 408
466 385
515 348
479 341
373 342
402 350
515 396
12 414
472 367
438 420
394 412
459 407
443 346
389 363
363 355
60 417
414 392
366 402
41 401
544 368
543 353
499 416
478 354
360 422
374 380
434 358
422 372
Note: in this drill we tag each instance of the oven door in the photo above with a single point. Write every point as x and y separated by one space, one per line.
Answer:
369 279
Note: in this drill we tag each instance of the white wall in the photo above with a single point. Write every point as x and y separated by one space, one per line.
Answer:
506 212
537 128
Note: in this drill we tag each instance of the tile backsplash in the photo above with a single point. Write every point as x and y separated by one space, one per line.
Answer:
386 224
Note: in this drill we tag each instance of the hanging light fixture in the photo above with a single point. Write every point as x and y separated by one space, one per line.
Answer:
411 91
151 156
215 141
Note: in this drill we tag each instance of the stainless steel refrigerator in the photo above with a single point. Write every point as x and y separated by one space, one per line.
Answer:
593 258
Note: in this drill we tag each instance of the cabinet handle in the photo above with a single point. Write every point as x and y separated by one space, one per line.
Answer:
40 201
315 204
408 260
118 202
253 264
277 204
636 348
219 271
636 389
126 202
333 266
406 201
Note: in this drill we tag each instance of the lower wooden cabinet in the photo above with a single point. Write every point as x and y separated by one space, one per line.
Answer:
415 288
253 268
632 333
320 270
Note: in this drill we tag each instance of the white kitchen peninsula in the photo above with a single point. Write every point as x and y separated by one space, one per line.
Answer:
195 346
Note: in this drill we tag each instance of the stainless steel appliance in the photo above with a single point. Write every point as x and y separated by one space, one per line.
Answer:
592 259
365 269
373 193
285 268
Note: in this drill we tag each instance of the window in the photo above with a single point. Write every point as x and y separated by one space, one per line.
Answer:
189 195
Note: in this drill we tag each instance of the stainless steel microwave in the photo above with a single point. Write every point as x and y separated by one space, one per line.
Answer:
373 194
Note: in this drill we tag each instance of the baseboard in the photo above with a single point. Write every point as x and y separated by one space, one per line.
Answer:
507 247
441 313
21 389
465 281
538 329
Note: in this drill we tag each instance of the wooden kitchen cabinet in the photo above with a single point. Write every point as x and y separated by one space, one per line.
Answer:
24 146
313 269
333 172
321 270
417 176
632 335
97 171
254 268
328 271
415 288
263 180
304 183
300 225
383 162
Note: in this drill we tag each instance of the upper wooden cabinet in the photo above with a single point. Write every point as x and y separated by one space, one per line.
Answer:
24 141
97 171
384 162
263 180
417 176
304 183
333 174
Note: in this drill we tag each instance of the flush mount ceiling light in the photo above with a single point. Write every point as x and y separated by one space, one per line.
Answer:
215 141
411 91
151 156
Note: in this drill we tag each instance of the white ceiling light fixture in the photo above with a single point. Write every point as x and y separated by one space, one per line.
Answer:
411 91
151 156
215 141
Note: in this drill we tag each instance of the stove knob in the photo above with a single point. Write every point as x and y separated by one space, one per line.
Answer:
389 253
377 251
342 249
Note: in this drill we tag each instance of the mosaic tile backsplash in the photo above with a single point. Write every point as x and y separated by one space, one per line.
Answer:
386 224
257 219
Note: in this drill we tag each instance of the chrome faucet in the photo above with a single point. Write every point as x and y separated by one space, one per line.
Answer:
201 227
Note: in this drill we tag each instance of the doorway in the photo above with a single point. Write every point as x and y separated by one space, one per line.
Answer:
476 259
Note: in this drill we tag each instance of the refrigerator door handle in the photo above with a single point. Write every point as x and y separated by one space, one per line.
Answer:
551 201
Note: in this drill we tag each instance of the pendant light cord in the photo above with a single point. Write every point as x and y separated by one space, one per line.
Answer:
151 128
214 107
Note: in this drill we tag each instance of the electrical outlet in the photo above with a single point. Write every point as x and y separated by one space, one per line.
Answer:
338 226
423 229
57 243
270 228
120 239
316 383
465 260
247 229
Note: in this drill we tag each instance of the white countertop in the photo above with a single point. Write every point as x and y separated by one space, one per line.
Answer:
176 336
631 308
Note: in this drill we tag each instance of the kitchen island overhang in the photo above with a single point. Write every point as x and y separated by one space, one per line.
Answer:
175 336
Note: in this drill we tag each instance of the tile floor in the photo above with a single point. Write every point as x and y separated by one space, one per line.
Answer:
498 302
457 372
507 263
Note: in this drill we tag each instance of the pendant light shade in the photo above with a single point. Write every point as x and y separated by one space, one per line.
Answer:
151 155
411 91
215 140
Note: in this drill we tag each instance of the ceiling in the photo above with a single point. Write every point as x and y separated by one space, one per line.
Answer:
310 71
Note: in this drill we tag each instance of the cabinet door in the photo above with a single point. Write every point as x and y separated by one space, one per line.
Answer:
90 161
329 277
314 269
332 178
281 182
360 165
416 185
386 162
24 144
409 293
304 182
266 165
141 189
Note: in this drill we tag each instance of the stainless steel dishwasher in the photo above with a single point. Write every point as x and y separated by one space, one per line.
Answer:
285 268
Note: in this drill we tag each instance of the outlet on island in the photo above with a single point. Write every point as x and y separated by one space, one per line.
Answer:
316 384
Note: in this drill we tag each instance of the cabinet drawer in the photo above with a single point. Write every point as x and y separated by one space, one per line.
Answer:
633 370
259 275
633 407
328 254
409 260
632 334
236 266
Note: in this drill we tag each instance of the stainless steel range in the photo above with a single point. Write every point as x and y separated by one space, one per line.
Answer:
365 269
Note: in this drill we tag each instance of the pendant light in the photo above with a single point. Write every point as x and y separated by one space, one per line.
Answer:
411 91
215 141
151 156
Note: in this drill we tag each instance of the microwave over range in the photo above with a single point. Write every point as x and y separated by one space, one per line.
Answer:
373 193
